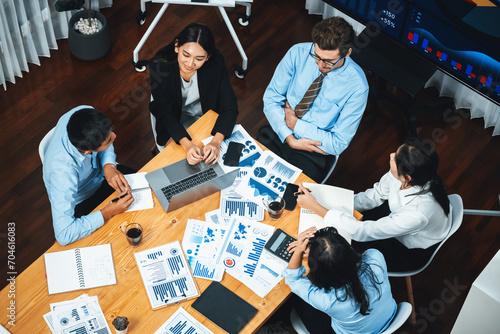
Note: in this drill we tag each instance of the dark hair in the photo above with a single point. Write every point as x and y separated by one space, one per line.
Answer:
88 128
335 265
334 33
192 33
418 159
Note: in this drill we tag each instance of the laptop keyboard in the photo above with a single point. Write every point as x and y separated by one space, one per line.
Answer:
189 182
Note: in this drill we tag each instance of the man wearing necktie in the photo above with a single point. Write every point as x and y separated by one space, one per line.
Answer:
315 100
80 171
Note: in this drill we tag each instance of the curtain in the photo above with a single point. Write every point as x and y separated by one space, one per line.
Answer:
463 96
29 29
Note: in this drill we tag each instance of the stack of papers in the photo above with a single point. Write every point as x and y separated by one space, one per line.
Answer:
82 315
237 248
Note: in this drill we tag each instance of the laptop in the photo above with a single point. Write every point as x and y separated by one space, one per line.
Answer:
180 183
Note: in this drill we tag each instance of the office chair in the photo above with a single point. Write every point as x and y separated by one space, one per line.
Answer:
42 147
331 169
457 213
403 312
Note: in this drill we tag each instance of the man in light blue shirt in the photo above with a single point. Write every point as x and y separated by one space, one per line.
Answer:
326 129
79 172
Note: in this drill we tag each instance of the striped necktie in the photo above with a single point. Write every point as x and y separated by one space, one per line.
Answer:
303 106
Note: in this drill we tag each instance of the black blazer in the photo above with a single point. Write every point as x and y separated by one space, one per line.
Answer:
216 93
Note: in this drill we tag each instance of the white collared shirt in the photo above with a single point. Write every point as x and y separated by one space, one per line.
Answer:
417 221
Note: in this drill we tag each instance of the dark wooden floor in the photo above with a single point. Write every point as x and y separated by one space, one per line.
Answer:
470 157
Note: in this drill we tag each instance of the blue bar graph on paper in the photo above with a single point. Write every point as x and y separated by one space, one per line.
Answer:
272 272
258 246
283 170
174 263
425 43
202 271
165 291
155 255
240 208
468 70
196 239
79 330
232 249
488 82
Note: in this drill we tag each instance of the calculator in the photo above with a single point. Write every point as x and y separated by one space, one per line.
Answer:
278 244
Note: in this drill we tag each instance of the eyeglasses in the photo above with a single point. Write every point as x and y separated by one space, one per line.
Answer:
327 62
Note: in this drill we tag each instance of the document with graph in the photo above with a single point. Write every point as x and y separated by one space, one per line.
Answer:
79 268
330 197
233 204
267 178
181 322
202 243
166 275
250 153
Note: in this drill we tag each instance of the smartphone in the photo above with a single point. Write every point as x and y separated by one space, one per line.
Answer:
233 154
290 199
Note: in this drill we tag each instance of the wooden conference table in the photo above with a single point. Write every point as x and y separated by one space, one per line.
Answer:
128 297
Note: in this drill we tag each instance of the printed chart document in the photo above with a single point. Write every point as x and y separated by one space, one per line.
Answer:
330 197
231 203
82 315
181 322
251 150
143 197
80 268
202 244
267 178
166 275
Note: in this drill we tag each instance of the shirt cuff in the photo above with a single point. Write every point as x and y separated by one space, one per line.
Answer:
293 274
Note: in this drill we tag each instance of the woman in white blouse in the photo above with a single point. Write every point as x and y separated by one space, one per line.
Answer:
411 210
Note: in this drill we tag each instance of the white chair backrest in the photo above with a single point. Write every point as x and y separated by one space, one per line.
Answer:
42 147
457 213
403 312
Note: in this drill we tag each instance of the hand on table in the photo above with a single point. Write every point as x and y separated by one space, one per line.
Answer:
125 199
115 178
211 151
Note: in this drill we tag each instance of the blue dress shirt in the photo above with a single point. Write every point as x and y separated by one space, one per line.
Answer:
345 313
334 116
71 177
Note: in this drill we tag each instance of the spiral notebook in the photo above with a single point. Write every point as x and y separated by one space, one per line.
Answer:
80 268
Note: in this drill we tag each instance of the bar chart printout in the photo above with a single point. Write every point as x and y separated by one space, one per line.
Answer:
166 275
181 322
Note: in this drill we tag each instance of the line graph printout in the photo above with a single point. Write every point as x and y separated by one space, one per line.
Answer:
268 177
251 150
268 273
203 243
181 322
166 275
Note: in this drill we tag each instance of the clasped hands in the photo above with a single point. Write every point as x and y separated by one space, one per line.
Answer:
303 144
210 152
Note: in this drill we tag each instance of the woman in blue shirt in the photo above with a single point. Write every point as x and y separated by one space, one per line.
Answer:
352 289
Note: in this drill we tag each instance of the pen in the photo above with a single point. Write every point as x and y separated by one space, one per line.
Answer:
114 200
299 193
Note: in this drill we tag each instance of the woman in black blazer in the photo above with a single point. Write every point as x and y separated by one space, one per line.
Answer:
188 78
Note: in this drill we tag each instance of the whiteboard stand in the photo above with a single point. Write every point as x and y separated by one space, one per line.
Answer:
240 71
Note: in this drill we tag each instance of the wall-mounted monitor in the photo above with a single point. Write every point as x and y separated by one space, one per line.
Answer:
461 50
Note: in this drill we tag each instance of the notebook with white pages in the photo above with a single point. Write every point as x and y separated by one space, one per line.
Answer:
80 268
330 197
